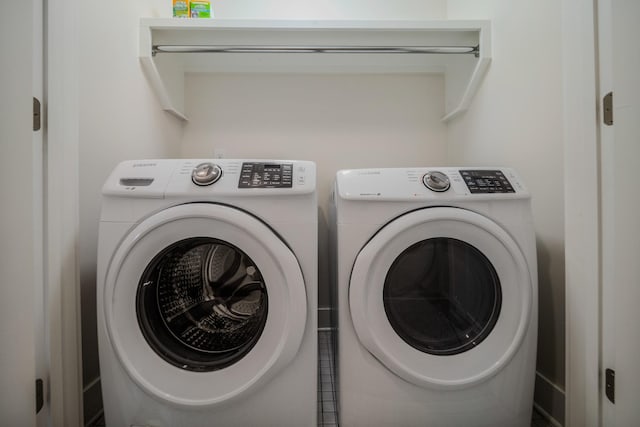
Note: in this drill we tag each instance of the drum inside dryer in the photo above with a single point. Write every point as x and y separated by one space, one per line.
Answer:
442 296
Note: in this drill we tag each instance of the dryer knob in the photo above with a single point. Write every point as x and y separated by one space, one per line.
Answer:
436 181
206 174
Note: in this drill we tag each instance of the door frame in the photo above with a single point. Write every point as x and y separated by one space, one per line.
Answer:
615 72
62 283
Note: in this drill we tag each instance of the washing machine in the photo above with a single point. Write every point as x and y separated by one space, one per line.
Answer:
436 288
207 293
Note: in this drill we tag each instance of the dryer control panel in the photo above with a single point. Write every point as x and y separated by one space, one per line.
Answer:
486 181
439 183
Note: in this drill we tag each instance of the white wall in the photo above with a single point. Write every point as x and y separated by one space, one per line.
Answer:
516 119
119 119
338 121
330 9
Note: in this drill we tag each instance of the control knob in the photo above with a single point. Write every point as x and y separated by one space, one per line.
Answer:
436 181
206 174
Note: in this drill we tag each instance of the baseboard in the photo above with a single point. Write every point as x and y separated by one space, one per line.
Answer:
549 400
92 401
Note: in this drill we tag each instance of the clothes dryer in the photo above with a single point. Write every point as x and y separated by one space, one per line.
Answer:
436 281
207 293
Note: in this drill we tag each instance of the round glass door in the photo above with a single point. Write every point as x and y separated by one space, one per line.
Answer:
202 304
441 296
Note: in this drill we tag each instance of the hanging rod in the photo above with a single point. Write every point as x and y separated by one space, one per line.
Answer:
473 50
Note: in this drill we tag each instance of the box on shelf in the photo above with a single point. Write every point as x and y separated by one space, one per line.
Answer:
200 9
180 8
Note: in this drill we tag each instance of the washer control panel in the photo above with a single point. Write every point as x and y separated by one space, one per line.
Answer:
266 175
166 178
486 181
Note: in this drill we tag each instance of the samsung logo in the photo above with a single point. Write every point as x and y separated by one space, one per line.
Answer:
369 173
144 165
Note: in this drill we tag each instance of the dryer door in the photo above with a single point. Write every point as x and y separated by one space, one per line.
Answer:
442 297
203 303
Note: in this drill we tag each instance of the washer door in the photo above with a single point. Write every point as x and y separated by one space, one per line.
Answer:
203 303
442 297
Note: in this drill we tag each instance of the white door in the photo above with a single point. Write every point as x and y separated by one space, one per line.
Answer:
456 272
20 269
218 296
620 70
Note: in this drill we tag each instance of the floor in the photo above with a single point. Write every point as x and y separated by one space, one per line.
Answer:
327 414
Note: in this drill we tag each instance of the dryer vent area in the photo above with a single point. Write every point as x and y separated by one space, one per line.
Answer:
327 407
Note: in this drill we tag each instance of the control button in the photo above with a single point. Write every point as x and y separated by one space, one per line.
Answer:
436 181
206 174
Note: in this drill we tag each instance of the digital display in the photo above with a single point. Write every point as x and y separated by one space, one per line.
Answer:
486 181
266 175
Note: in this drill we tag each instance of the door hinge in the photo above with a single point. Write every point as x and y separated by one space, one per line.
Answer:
37 114
610 384
39 395
607 109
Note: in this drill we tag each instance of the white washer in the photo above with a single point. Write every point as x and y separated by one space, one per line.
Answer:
437 297
207 293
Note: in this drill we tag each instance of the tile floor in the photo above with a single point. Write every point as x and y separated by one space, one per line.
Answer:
327 409
327 413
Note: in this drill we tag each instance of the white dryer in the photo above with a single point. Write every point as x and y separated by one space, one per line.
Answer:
437 297
207 293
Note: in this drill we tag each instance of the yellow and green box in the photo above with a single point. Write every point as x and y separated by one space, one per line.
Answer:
200 9
181 8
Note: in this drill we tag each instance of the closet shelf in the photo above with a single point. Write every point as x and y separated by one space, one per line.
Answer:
170 47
